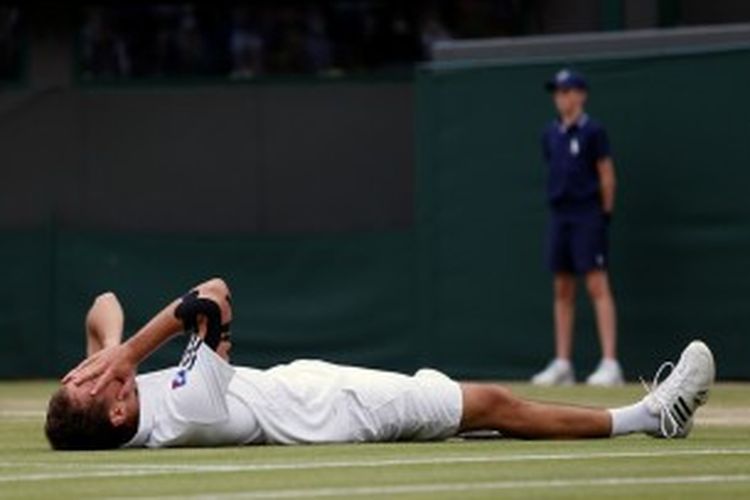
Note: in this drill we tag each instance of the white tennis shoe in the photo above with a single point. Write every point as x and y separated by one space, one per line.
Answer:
557 372
675 399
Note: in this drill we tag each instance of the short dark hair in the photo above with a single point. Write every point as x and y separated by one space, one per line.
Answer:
72 426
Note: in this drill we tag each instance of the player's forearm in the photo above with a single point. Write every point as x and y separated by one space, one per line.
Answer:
158 330
176 318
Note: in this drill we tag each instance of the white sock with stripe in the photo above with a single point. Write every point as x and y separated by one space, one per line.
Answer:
633 418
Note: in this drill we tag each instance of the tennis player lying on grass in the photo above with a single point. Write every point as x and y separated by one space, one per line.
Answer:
205 401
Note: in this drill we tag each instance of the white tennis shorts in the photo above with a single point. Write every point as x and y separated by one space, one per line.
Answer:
312 401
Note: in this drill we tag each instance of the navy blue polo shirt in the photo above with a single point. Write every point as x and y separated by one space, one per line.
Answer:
572 154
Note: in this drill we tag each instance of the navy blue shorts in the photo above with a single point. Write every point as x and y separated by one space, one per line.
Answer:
577 242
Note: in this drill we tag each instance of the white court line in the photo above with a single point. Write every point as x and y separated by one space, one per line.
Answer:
51 476
119 470
464 487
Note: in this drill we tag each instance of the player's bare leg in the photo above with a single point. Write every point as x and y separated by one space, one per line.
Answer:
608 373
104 323
488 406
667 411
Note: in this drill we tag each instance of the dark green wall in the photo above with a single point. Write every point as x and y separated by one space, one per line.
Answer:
681 249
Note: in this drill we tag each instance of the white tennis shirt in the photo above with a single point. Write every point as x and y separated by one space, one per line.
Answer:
207 402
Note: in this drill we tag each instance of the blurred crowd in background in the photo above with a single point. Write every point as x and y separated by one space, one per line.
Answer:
267 37
244 40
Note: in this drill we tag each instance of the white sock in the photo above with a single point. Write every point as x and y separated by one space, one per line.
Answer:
633 418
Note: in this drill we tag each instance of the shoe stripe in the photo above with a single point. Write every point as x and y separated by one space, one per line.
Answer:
679 413
685 406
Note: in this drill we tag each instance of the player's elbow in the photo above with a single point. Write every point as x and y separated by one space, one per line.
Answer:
218 290
216 286
104 304
106 298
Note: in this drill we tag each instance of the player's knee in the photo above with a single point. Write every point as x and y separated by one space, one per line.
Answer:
492 397
483 403
499 396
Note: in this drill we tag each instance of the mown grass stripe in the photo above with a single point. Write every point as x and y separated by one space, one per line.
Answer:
57 470
433 488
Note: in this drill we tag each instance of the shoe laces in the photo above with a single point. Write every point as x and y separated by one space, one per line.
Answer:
668 424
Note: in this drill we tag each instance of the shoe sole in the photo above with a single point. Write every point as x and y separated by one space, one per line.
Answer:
698 349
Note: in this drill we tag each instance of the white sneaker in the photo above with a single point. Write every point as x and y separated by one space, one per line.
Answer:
607 374
558 372
682 392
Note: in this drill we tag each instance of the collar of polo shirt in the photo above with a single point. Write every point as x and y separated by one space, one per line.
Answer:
580 122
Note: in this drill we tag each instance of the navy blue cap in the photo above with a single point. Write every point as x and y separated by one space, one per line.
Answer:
566 79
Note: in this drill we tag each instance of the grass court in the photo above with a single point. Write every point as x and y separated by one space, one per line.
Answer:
713 463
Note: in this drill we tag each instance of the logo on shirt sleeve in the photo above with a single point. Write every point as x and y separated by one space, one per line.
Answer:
187 362
179 379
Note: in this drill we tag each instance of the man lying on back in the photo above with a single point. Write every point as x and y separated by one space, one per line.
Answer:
205 401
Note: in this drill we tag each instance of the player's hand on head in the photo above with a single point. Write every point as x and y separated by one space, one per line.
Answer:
111 363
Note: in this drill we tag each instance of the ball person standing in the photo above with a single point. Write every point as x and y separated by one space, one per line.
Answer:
581 191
